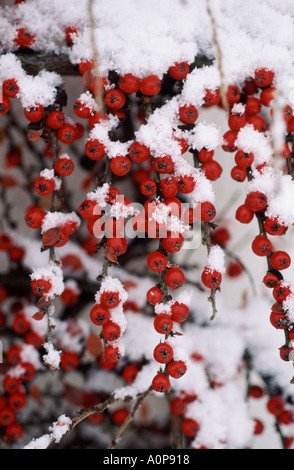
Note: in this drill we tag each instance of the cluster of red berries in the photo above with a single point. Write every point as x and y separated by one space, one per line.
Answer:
15 391
178 407
15 252
100 315
256 201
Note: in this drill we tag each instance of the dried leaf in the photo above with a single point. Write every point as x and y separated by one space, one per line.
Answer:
38 316
94 345
50 237
8 181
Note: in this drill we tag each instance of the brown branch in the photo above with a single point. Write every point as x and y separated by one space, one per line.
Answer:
129 419
33 62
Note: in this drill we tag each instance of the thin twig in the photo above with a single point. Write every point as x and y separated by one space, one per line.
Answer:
129 419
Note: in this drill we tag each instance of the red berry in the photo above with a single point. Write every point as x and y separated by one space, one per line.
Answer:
34 217
24 38
69 297
129 373
212 170
261 245
5 241
120 415
110 299
55 120
111 331
285 351
11 384
169 187
229 139
244 215
86 209
69 361
120 165
174 278
270 280
139 153
116 246
163 353
258 427
238 174
256 201
208 211
178 406
67 134
99 314
179 312
275 405
7 416
205 155
17 401
161 383
115 99
163 323
243 159
44 186
64 166
4 104
176 369
179 70
148 187
211 98
211 278
267 95
258 123
112 353
253 106
156 262
95 149
281 292
255 391
164 164
188 114
280 322
173 242
41 286
150 85
85 65
70 33
154 295
263 77
10 88
129 83
186 184
82 109
280 260
237 121
20 324
34 113
189 427
233 95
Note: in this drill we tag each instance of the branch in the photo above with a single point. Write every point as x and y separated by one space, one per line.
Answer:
33 62
129 419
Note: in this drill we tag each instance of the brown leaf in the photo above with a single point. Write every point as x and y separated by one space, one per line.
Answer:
74 395
110 255
50 237
8 181
38 316
43 303
33 136
35 393
94 345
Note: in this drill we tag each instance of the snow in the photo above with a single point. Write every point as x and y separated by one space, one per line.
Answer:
59 219
216 259
52 273
253 141
205 135
52 358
